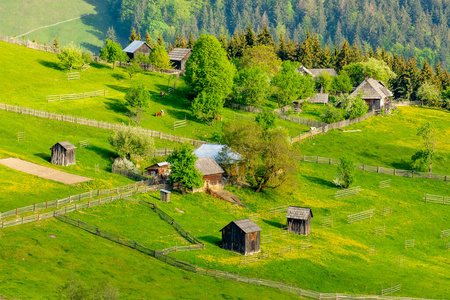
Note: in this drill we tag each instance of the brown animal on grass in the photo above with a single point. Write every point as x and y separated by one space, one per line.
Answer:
218 118
159 113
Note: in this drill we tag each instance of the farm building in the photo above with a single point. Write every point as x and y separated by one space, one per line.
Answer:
316 72
211 171
137 47
63 154
229 160
299 220
376 95
178 57
241 236
160 170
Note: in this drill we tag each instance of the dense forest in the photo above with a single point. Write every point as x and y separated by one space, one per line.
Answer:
419 28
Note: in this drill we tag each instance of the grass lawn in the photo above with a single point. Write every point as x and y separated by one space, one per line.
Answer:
35 265
27 76
387 141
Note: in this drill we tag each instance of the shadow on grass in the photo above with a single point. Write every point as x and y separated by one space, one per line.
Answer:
273 223
320 181
104 153
51 65
45 156
368 154
117 87
210 239
402 165
100 66
119 76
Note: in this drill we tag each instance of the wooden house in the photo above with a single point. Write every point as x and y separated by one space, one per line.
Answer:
63 154
211 171
375 93
137 47
241 236
160 170
299 220
179 57
316 72
228 159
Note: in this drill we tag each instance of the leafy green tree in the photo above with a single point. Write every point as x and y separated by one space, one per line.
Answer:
182 168
137 99
429 94
332 115
325 81
346 172
70 56
207 106
355 107
290 85
266 119
262 57
86 57
209 69
160 59
422 160
133 69
373 68
129 140
342 83
251 86
112 52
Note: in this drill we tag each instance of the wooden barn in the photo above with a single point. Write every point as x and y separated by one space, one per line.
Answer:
376 95
63 154
160 170
137 47
211 171
299 220
179 57
241 236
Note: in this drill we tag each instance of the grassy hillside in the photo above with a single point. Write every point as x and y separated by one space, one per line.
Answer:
19 17
44 76
387 141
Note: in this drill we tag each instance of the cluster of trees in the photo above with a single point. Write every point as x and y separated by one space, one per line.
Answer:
402 27
71 56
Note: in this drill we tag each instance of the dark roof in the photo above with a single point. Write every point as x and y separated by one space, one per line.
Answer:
178 54
134 46
207 166
158 165
66 145
372 89
299 213
246 225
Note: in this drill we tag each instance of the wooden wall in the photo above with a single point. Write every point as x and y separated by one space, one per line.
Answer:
302 227
234 239
61 156
213 178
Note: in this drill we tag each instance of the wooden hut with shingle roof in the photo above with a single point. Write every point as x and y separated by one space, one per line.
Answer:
241 236
316 72
299 220
211 171
179 57
137 47
63 154
375 93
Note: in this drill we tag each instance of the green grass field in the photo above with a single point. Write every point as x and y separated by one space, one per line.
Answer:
19 17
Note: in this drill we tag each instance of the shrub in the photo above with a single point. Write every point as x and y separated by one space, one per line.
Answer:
332 115
346 170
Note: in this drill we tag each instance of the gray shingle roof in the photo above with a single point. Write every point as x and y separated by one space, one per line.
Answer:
247 225
178 54
134 46
207 166
299 213
372 89
67 145
320 98
316 72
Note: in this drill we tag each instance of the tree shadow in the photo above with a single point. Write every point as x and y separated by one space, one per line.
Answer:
51 65
402 165
368 154
92 48
45 156
118 87
210 239
119 76
320 181
104 153
100 66
273 223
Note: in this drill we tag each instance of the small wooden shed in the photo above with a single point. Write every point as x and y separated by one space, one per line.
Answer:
179 57
299 220
63 154
160 170
241 236
137 47
211 171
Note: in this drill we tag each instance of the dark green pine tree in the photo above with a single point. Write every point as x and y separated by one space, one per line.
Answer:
265 38
191 41
223 41
344 56
177 41
326 60
250 37
426 73
133 36
160 40
184 42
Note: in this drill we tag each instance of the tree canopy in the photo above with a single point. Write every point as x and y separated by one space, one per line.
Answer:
182 168
70 56
137 99
112 52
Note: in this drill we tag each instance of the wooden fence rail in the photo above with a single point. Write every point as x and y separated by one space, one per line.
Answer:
382 170
95 123
51 98
348 192
360 216
391 289
445 233
436 199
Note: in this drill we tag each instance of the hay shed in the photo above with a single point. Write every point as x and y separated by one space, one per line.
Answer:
299 220
179 57
137 47
211 171
63 154
241 236
160 170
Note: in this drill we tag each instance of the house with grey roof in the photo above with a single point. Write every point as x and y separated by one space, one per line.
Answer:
223 155
211 171
375 93
299 220
159 170
137 47
241 236
179 57
63 154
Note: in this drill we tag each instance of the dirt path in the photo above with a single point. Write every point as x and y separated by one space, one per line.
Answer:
41 171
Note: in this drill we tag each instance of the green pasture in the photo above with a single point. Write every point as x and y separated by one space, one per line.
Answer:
386 141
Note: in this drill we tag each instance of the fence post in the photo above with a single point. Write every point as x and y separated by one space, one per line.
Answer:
395 171
378 169
317 159
363 167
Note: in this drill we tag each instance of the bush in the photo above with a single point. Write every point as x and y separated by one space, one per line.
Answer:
332 115
355 107
123 163
346 170
129 141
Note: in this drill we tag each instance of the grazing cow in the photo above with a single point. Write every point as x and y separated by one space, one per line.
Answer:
163 94
218 117
159 113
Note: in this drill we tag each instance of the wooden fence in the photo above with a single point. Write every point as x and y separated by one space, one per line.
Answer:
381 170
407 103
436 199
327 221
445 233
95 123
391 289
179 248
385 184
348 192
28 44
410 243
162 152
73 75
52 98
360 216
179 124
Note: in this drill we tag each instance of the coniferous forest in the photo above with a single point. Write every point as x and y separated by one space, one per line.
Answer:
409 28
